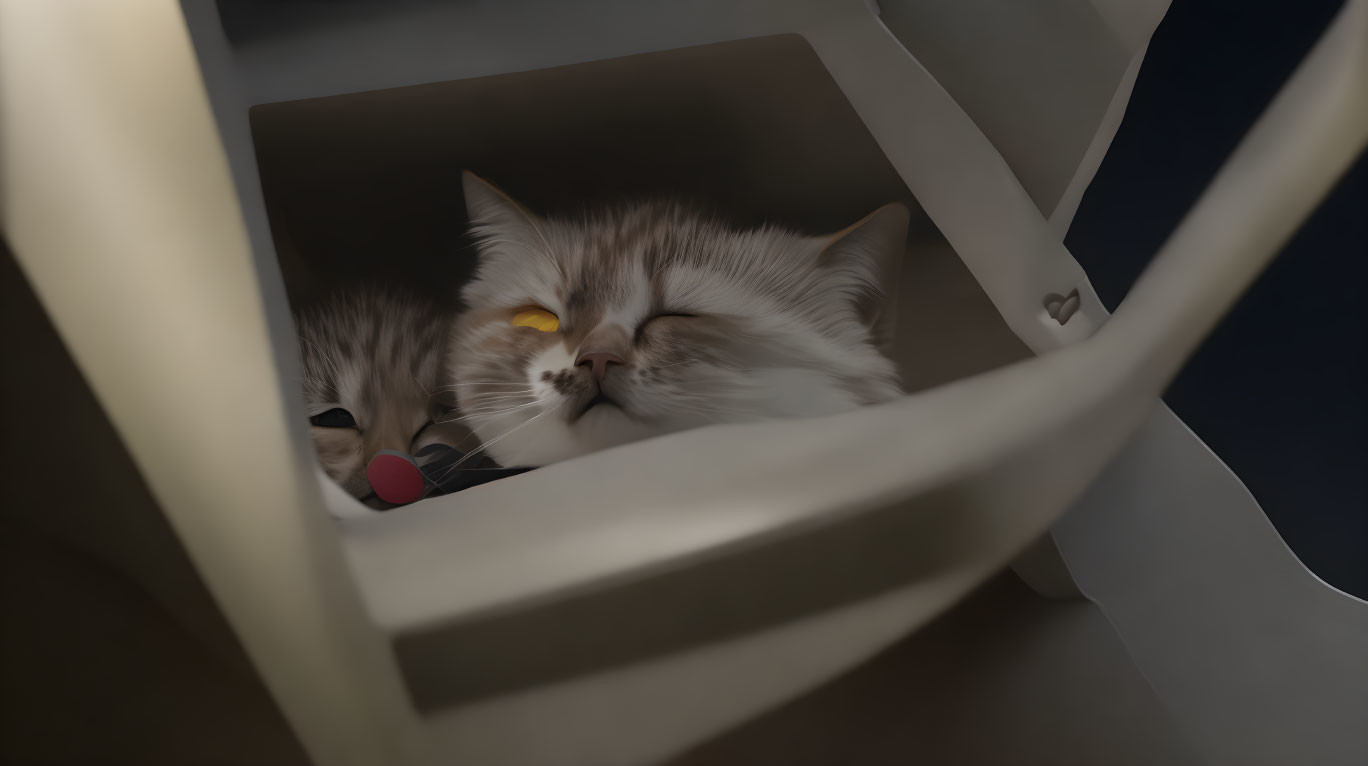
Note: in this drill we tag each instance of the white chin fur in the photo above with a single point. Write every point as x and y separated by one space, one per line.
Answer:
550 439
547 438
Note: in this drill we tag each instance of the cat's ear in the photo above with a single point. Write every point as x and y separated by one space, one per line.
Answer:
864 262
494 214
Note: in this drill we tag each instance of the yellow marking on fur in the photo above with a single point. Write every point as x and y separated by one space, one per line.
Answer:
537 319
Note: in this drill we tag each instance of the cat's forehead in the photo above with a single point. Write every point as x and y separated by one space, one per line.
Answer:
608 276
654 255
625 264
367 346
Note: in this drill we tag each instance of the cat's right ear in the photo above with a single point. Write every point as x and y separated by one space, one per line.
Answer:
494 214
864 263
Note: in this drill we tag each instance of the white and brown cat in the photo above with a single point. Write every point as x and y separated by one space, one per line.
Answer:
579 335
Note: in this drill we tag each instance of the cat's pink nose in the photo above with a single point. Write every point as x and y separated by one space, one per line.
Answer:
598 362
394 477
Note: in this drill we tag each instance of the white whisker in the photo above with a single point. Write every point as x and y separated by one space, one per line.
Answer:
484 446
481 383
493 411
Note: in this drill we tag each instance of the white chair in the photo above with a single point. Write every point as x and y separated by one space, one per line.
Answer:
130 197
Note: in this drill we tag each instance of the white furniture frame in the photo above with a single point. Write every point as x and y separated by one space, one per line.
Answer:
128 194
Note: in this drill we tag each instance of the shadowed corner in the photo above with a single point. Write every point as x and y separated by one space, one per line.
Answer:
113 650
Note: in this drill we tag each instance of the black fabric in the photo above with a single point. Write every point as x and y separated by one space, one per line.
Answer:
438 463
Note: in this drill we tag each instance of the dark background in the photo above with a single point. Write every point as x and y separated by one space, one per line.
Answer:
1278 391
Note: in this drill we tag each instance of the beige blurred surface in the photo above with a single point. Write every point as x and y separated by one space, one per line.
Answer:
117 200
111 649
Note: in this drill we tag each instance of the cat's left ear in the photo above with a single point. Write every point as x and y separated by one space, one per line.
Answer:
495 215
864 261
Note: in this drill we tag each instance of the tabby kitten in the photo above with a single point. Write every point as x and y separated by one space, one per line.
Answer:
373 379
583 334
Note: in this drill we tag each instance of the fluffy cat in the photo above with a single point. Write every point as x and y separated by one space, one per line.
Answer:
584 334
373 378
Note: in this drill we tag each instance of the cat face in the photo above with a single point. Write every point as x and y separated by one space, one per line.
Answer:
372 380
650 319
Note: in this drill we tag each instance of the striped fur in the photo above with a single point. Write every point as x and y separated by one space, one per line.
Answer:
714 324
376 353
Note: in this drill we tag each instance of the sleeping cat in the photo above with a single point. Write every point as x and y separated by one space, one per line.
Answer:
583 334
373 379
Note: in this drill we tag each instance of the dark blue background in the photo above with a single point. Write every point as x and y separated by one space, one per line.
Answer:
1278 391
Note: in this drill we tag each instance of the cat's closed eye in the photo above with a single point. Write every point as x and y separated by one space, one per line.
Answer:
334 418
537 318
641 328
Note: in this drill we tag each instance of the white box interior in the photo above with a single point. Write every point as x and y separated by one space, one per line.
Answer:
366 186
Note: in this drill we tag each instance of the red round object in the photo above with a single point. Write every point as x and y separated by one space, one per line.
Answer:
395 478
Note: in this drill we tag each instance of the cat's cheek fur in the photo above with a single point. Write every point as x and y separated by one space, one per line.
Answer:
549 440
339 451
802 393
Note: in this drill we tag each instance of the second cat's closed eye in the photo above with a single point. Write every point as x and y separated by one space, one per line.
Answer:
334 418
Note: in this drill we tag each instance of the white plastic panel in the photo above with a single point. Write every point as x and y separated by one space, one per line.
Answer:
1048 678
705 690
322 53
1264 662
1035 77
1132 21
526 540
960 179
